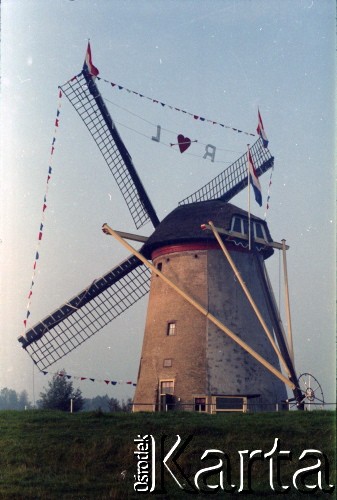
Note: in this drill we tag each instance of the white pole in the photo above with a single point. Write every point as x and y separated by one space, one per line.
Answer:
33 385
248 174
71 405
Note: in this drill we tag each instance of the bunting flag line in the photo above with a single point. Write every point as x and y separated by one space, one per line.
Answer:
44 208
94 73
82 378
175 108
210 150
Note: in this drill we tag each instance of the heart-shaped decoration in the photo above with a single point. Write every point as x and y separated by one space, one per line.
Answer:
184 142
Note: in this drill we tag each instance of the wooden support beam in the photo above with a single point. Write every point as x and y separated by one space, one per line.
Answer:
249 297
131 236
287 301
107 230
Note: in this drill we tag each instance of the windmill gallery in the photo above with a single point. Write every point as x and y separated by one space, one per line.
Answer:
213 338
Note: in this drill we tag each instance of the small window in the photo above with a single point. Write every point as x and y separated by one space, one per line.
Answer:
230 403
236 224
259 231
200 404
171 328
167 363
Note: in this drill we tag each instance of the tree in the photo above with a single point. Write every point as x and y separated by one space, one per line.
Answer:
59 394
126 406
8 399
11 400
23 402
97 403
106 404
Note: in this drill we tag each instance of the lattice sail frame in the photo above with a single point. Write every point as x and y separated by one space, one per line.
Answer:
234 178
84 96
88 312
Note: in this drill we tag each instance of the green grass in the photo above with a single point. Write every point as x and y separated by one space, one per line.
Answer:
55 455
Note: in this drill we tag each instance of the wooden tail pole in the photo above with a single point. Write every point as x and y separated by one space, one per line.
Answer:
107 230
249 297
287 302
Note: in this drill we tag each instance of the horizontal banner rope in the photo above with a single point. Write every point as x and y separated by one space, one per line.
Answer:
44 208
76 377
209 149
156 125
169 145
158 139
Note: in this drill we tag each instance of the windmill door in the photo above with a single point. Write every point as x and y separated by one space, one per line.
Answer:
167 402
167 399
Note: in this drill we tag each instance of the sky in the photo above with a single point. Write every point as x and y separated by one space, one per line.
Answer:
221 59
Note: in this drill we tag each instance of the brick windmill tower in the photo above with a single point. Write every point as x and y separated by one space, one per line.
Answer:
213 338
187 361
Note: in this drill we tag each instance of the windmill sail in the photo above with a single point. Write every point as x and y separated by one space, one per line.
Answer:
85 314
84 95
234 178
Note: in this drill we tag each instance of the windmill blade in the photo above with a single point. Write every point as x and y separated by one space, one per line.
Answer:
234 178
85 314
84 95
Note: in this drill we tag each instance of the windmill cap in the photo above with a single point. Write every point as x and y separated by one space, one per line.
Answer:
183 225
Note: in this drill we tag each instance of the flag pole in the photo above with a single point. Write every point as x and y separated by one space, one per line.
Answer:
248 174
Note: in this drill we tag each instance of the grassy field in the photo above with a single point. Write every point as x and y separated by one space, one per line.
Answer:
54 455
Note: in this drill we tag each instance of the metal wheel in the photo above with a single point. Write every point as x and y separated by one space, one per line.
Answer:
313 397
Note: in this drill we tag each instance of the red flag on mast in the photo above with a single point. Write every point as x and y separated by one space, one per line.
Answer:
88 63
260 130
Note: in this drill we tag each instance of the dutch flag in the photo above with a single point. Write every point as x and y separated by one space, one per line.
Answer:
88 63
260 130
254 180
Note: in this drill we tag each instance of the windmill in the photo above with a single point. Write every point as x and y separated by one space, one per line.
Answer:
190 358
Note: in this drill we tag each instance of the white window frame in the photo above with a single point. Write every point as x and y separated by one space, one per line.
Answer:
220 410
254 226
200 404
161 381
170 324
